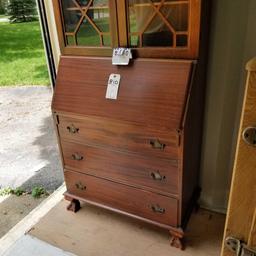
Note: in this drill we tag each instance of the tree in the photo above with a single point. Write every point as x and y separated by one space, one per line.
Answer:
3 6
22 10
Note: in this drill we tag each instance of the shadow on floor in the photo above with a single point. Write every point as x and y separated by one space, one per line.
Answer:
50 176
14 208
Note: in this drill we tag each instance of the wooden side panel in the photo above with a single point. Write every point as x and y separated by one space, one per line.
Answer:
240 222
119 136
191 145
193 121
122 197
129 169
152 92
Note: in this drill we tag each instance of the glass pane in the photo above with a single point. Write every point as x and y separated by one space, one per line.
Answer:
157 34
101 19
87 35
139 12
158 28
82 3
134 41
90 29
107 40
177 15
71 15
182 40
70 40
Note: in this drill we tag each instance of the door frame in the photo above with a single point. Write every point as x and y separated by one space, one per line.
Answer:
47 41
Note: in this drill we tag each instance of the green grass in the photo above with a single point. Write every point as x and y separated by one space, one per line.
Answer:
22 57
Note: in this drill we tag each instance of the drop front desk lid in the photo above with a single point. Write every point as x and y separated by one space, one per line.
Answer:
152 92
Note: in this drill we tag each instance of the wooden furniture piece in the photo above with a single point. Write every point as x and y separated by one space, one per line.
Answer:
138 155
240 226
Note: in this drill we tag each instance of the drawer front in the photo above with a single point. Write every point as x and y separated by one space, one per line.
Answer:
139 202
116 135
155 174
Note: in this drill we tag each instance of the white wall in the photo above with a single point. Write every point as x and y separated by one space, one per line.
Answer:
232 44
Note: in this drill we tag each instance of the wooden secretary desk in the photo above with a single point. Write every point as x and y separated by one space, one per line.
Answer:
137 155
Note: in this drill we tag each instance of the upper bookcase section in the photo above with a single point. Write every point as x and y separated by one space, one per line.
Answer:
152 28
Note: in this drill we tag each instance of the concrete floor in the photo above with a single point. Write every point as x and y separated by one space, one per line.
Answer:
28 146
13 209
10 242
29 155
31 246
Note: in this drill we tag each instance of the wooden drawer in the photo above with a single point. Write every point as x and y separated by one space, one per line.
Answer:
154 174
121 136
135 201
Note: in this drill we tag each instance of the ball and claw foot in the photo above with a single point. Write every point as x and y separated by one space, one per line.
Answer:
176 242
74 206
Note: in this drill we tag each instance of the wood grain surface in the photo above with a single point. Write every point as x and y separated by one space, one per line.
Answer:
152 93
131 200
240 222
119 136
148 173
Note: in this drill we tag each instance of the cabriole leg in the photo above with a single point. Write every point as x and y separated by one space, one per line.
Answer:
74 206
176 241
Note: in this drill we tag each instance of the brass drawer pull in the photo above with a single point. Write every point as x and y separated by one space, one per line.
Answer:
72 129
77 157
157 176
157 209
80 186
157 144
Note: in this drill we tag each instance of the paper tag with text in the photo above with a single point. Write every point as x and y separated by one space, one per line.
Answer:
113 86
121 56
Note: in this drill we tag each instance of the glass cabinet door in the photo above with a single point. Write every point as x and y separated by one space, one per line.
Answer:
153 28
164 28
86 23
158 23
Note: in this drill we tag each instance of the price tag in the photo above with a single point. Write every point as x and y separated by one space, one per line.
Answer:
121 56
113 86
